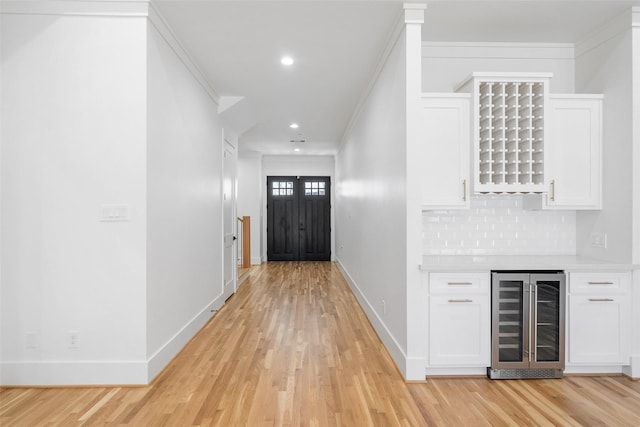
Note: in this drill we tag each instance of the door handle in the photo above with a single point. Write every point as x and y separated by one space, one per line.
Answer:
235 238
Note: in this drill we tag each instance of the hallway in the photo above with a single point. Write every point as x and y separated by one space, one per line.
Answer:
293 347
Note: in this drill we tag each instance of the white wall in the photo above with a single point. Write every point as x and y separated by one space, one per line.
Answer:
371 203
445 65
297 165
73 139
184 257
250 186
604 65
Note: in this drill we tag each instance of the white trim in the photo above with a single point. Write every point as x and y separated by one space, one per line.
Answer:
483 50
392 40
121 9
389 341
130 8
160 24
412 13
464 371
633 370
593 369
67 373
163 356
626 20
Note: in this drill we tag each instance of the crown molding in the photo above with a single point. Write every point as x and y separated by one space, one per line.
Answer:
165 31
412 13
122 8
627 20
498 50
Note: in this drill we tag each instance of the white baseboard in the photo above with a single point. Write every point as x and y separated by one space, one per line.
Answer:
473 371
171 348
633 369
73 373
256 260
394 349
92 373
593 370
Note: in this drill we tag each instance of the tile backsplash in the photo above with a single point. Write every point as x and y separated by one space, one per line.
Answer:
498 225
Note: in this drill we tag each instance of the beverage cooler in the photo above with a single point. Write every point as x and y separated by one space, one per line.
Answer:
527 324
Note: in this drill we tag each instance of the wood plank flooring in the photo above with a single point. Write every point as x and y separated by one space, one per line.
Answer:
293 348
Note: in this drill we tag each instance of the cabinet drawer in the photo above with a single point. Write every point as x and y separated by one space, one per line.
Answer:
599 283
457 283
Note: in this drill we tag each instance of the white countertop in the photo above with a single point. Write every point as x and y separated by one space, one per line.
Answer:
519 262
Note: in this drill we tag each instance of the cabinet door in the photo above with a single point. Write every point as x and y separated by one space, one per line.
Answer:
597 329
574 152
445 151
459 330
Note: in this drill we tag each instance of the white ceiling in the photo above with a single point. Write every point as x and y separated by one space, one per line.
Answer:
337 45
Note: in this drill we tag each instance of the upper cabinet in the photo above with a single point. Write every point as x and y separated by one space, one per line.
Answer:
525 141
574 154
509 131
445 151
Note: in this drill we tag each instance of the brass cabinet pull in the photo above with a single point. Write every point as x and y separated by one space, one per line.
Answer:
459 283
601 283
553 190
460 300
464 190
600 299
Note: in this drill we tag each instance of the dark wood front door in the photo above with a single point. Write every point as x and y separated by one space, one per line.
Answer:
298 218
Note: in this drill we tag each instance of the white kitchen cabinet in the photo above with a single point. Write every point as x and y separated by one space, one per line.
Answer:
509 131
598 319
445 151
459 320
574 154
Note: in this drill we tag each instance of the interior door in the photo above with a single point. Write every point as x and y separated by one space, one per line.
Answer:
298 218
228 217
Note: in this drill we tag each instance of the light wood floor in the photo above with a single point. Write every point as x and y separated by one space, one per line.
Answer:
293 348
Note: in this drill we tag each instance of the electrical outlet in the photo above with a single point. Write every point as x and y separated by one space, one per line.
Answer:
599 240
73 339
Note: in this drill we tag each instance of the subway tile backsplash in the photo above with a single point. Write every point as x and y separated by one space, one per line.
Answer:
498 225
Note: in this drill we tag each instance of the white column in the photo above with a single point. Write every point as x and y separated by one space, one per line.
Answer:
416 293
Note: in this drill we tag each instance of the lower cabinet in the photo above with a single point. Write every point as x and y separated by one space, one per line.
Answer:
459 320
599 317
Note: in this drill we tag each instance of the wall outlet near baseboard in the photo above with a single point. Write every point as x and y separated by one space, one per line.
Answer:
73 339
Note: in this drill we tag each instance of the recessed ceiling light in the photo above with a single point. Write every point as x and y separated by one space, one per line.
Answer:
296 149
293 126
286 60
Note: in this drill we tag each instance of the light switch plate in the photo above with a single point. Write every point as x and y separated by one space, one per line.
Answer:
112 213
